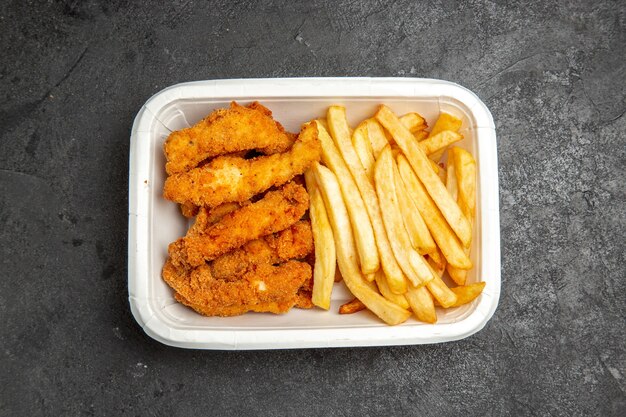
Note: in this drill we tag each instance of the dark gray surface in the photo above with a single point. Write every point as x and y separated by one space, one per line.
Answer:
72 76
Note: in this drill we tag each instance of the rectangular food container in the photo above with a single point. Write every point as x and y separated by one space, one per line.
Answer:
155 222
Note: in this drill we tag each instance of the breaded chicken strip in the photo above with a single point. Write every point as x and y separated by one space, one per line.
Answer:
294 242
266 288
276 211
227 179
226 131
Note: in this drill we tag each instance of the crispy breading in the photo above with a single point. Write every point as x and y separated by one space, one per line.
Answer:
226 131
294 242
228 179
266 288
276 211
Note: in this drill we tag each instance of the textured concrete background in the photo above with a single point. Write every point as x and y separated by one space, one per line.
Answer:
72 76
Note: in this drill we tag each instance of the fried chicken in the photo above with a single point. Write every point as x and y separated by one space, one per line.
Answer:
228 179
226 131
276 211
266 288
295 242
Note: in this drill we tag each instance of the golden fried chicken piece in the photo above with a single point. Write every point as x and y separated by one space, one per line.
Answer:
226 131
228 179
266 288
276 211
294 242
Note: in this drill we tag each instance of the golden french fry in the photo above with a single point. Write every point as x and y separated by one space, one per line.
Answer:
352 307
421 240
414 122
438 268
452 184
412 264
458 275
359 218
419 161
339 127
467 293
385 291
440 291
377 137
445 122
437 258
325 255
422 304
420 135
363 148
346 253
465 171
439 141
440 230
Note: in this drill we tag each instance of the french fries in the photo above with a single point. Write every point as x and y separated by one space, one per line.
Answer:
440 291
363 231
377 137
411 262
414 122
325 255
422 304
345 246
385 291
352 307
465 172
338 125
467 293
462 169
363 148
445 122
419 162
442 233
392 218
418 232
439 141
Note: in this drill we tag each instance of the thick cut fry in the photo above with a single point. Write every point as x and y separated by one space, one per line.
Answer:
385 291
422 304
440 291
465 170
464 167
363 148
346 256
339 128
467 293
359 218
439 141
352 307
418 232
414 122
437 258
445 122
377 137
420 135
438 268
411 262
451 182
419 161
439 228
325 255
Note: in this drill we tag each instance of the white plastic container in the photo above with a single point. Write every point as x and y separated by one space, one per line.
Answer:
155 222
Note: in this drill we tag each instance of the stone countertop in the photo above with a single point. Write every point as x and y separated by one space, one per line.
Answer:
74 74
